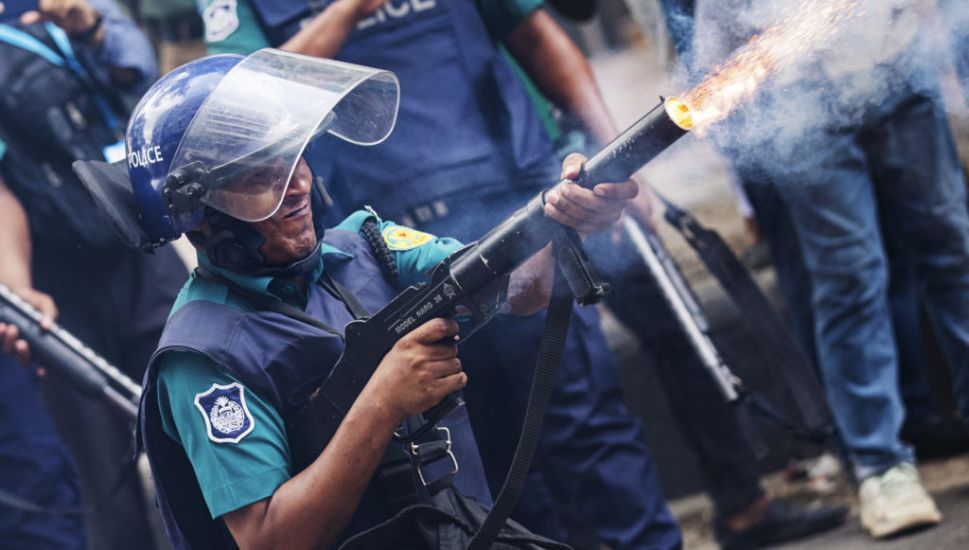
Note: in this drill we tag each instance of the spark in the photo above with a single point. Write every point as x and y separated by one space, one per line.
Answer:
810 26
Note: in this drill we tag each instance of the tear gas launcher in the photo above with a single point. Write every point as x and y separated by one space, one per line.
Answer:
474 277
61 353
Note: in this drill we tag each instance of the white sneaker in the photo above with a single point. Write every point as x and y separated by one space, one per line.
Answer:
896 501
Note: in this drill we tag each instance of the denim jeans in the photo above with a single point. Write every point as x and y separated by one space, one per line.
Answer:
908 152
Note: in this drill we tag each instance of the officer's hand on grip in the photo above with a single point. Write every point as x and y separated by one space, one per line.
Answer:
10 342
420 370
587 210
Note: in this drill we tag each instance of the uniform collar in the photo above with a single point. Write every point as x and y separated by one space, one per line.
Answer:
274 286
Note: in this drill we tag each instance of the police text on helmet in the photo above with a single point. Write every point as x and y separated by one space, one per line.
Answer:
145 156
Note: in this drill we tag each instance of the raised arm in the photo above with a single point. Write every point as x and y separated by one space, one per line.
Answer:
560 71
326 33
563 75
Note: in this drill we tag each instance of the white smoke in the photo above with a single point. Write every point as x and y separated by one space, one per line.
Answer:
881 50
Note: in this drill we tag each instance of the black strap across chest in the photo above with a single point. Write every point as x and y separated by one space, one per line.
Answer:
268 303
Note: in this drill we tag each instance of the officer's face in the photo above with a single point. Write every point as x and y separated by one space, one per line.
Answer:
289 232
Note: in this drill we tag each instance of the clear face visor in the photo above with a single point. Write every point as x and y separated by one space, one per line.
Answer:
249 134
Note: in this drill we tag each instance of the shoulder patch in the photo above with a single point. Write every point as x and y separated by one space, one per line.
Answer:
221 19
399 237
227 418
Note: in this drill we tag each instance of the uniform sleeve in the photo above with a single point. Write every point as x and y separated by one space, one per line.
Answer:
124 46
502 16
416 252
197 409
231 27
418 256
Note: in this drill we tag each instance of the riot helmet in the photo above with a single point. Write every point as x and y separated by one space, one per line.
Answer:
226 132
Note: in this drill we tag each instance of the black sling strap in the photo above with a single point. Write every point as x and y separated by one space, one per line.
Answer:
269 303
814 422
543 385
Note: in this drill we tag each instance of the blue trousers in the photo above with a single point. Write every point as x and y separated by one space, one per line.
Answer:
593 474
831 197
34 466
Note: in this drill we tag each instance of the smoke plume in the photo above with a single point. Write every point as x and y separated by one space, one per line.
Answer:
826 65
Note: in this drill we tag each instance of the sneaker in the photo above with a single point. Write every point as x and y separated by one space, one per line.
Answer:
895 501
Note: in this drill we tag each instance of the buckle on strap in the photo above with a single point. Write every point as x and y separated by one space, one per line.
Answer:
433 451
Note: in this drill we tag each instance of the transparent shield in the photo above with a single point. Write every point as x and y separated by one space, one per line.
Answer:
248 136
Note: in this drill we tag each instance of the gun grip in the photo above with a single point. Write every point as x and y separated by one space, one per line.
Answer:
434 415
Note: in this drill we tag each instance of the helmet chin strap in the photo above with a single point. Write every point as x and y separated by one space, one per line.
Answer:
234 245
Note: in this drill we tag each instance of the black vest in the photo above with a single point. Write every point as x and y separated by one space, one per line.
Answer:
282 360
49 118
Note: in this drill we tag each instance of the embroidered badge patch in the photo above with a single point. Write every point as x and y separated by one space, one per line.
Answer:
221 20
227 418
399 237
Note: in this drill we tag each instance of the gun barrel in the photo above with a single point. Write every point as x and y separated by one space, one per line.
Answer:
639 144
528 230
59 350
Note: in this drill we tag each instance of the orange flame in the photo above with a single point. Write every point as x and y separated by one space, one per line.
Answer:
811 24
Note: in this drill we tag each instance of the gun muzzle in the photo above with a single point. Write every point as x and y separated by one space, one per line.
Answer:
639 144
527 230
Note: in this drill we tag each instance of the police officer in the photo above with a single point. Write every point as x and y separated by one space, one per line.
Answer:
68 74
34 465
468 148
225 387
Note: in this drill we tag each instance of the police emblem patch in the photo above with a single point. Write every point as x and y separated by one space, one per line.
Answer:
227 418
399 237
221 20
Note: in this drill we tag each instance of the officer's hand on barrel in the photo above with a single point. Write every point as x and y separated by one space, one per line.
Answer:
587 210
76 17
420 370
10 342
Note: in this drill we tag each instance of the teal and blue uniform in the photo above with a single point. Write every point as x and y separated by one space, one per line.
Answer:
468 149
227 383
233 476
